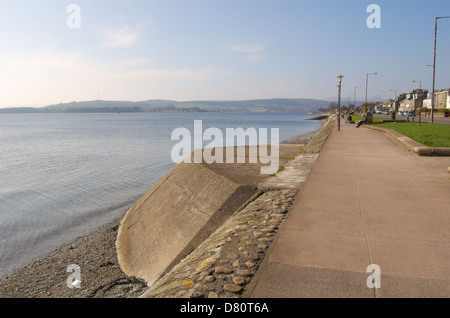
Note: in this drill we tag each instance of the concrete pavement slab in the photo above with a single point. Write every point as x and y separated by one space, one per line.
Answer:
322 250
401 287
289 281
313 219
368 200
412 258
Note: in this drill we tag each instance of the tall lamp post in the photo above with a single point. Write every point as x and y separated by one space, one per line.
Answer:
339 101
395 100
434 65
354 96
420 109
429 114
367 81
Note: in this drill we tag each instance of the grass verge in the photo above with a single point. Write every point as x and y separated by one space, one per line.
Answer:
357 118
431 135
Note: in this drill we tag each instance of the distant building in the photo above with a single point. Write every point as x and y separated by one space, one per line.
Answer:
441 98
388 104
412 101
401 100
418 96
427 101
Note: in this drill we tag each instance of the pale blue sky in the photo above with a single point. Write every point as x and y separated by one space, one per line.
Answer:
217 49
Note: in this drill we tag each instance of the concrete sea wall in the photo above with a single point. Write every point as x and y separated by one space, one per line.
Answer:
193 201
173 217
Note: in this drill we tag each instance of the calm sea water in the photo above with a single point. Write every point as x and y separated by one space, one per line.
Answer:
64 175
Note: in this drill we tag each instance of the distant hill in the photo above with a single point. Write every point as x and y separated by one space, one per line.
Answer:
259 105
158 105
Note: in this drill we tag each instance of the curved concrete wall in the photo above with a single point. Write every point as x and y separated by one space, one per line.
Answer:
174 216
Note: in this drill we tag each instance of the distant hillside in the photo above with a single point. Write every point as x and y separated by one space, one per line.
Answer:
158 105
259 105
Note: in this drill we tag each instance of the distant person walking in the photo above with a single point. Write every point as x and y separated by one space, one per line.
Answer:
362 121
349 119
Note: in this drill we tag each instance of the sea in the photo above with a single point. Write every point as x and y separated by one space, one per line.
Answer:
64 175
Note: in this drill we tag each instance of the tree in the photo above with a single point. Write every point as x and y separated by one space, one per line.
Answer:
333 106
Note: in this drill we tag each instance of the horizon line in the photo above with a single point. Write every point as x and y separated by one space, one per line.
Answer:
160 99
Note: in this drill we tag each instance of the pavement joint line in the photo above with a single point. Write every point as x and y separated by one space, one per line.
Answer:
355 182
360 208
328 268
425 208
415 277
317 231
403 240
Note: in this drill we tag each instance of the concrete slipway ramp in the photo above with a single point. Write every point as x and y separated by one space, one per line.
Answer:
183 209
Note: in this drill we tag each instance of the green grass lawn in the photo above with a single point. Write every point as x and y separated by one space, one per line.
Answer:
432 135
357 118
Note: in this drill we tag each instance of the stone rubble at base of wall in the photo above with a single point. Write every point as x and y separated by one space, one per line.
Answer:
224 264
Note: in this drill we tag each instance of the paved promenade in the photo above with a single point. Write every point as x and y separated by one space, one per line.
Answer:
366 201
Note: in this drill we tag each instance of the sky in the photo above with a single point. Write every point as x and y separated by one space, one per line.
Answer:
57 51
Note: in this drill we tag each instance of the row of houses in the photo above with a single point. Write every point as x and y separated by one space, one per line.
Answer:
419 98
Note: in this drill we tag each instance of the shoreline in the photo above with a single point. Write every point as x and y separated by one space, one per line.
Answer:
95 254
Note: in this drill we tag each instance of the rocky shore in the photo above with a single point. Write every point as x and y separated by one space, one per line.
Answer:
221 266
100 273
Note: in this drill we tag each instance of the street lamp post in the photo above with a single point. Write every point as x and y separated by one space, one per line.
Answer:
367 81
354 96
339 101
420 83
434 65
429 114
395 100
